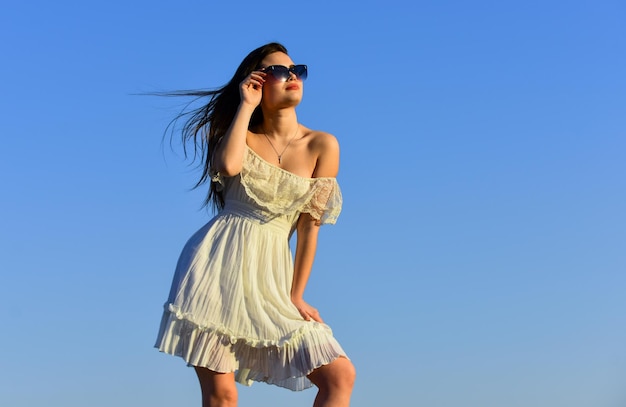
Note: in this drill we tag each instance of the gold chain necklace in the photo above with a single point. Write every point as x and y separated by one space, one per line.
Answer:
280 156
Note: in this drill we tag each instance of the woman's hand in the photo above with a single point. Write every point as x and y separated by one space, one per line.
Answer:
251 88
306 311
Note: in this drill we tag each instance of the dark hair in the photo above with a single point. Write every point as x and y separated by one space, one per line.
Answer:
204 126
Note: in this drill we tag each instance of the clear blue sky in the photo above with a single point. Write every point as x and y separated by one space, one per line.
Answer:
480 260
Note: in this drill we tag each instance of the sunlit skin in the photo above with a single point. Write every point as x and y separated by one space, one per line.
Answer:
310 154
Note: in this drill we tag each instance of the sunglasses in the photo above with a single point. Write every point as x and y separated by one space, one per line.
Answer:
282 73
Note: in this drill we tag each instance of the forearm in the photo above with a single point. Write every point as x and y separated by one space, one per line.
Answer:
229 154
305 254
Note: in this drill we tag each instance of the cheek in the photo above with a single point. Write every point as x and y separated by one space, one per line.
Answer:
271 88
269 92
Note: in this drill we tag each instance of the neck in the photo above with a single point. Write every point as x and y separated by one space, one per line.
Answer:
281 124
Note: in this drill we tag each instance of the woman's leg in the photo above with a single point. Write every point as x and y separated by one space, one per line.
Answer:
334 381
218 389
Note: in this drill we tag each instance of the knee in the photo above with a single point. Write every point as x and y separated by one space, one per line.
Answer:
348 375
218 389
337 376
221 397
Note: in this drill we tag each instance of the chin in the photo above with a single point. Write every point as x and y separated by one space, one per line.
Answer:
292 102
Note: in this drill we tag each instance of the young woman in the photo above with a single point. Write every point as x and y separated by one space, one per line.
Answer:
236 309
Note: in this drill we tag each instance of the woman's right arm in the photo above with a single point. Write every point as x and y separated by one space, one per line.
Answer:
228 158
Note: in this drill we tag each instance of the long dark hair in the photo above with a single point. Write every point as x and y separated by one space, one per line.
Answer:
203 127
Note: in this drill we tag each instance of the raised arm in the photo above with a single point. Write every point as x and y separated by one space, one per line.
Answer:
308 229
228 158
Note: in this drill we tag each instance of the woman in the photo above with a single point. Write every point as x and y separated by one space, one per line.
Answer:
236 310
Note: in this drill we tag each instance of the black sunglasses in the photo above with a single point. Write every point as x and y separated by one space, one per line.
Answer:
282 73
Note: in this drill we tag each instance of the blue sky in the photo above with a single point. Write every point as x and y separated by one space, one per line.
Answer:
480 260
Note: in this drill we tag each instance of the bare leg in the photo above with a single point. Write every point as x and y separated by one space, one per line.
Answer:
334 381
218 389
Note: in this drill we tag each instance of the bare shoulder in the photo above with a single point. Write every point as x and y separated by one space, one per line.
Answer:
325 148
321 142
324 140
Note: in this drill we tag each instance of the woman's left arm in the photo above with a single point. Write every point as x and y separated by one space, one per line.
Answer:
308 229
305 253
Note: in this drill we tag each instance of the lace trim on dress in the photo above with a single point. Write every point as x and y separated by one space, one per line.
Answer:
283 192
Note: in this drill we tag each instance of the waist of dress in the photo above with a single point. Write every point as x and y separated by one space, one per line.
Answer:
251 213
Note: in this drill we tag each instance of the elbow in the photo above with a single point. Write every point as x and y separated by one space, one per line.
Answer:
229 170
228 167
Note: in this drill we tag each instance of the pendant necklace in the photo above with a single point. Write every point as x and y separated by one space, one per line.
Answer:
280 156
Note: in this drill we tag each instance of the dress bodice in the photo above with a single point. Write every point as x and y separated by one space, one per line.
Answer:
268 192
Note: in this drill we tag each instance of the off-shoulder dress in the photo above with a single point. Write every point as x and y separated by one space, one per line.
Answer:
229 307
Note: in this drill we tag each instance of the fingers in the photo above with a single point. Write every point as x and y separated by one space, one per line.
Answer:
251 88
316 317
311 314
255 80
307 312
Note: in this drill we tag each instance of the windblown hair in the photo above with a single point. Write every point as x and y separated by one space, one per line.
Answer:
204 127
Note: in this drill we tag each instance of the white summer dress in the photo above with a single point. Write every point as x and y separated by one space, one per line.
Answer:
229 308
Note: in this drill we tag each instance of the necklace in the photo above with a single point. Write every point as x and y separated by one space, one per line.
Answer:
280 156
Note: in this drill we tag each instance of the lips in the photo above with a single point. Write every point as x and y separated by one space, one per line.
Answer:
293 87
